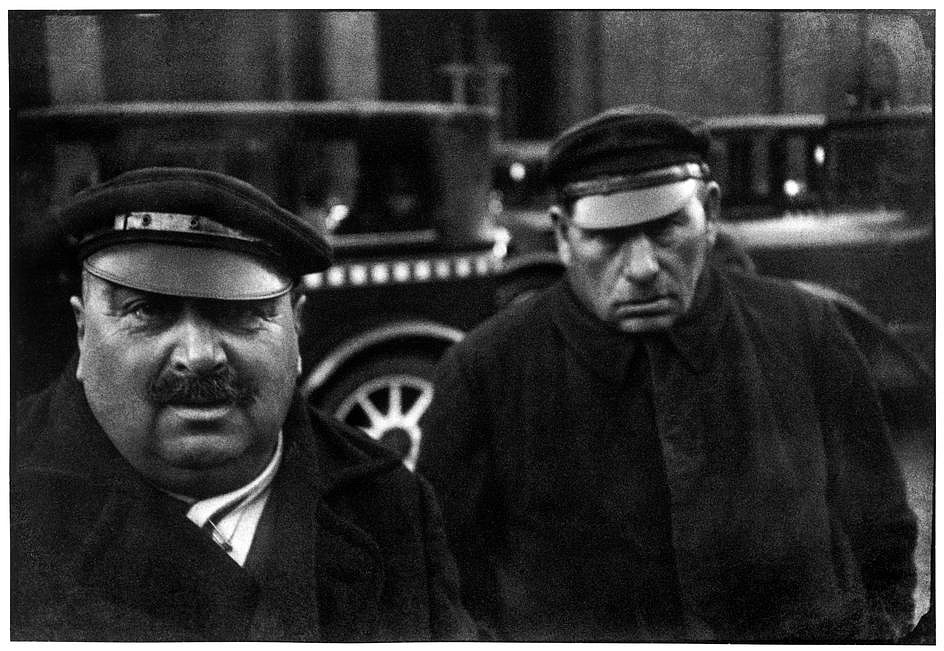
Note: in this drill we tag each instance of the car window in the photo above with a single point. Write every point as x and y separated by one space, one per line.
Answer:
768 167
889 165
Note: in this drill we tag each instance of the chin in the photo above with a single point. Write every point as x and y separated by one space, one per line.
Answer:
202 452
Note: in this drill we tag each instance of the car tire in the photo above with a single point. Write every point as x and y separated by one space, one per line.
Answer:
385 396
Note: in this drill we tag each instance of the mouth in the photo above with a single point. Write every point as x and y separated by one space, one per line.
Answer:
645 307
201 411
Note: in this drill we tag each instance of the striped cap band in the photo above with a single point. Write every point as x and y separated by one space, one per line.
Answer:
164 221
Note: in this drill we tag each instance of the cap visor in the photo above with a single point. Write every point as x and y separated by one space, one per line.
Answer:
633 206
190 271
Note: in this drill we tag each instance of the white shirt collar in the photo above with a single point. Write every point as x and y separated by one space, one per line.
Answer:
240 510
201 510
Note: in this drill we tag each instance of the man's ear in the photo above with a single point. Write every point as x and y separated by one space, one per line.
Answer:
712 207
712 201
561 227
298 308
78 310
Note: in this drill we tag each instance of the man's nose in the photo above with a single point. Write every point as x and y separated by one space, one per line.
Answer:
198 347
639 259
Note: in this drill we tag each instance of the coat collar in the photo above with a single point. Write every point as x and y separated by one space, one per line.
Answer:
601 348
695 336
609 352
340 454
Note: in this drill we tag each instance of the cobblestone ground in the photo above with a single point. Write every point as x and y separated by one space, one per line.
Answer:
916 454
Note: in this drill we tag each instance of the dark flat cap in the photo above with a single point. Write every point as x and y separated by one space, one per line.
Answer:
626 140
192 232
645 154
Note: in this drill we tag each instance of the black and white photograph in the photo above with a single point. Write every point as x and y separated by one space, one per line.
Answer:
471 325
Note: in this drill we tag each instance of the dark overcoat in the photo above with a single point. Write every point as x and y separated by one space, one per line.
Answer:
788 518
356 546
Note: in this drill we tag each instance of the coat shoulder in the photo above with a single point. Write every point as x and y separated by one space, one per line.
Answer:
30 422
349 440
776 300
520 328
346 456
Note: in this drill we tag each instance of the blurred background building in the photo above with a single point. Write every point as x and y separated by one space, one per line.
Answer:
541 69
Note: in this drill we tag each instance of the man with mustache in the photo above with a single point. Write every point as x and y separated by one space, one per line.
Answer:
658 449
172 485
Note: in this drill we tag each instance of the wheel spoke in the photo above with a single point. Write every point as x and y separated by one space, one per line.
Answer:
410 459
412 417
395 412
375 416
389 403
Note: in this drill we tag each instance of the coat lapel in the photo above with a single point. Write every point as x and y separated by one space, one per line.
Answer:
324 572
148 558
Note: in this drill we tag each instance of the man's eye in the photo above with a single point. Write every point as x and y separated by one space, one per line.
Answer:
603 238
663 231
244 316
146 310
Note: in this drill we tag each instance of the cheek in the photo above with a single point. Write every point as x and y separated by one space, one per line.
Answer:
686 261
273 370
593 261
595 279
115 380
604 271
117 368
271 361
697 251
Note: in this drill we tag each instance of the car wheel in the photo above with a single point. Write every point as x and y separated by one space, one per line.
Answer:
386 397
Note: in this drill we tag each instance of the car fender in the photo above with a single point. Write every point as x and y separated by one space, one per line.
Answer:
378 338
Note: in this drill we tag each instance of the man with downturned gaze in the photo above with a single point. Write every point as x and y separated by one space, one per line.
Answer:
171 484
657 448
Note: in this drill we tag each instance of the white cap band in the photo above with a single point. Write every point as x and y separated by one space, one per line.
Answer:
632 207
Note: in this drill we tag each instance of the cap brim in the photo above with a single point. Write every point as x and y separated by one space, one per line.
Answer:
189 271
633 207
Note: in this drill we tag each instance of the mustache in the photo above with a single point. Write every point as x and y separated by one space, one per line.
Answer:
222 385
